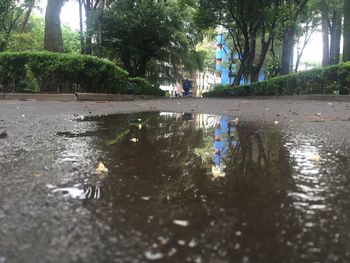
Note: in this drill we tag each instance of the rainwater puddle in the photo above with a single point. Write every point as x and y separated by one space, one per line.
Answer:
183 187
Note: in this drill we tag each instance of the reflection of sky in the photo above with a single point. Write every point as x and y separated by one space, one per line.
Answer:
77 159
311 184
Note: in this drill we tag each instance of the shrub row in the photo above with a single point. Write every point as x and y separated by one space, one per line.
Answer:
56 72
330 80
141 86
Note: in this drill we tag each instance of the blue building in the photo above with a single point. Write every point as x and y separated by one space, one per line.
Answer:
223 60
222 57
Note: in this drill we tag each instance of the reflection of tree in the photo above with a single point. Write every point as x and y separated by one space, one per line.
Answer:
253 154
160 177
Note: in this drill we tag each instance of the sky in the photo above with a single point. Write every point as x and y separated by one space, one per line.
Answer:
70 14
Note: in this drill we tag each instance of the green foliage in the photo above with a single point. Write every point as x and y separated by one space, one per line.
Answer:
330 80
71 40
30 40
142 33
33 38
251 28
207 48
272 68
221 86
142 86
10 12
54 72
149 34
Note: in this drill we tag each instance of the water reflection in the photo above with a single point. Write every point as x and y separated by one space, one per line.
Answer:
274 201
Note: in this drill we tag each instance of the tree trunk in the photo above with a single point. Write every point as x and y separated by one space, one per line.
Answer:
254 75
346 38
81 28
99 28
325 37
335 32
26 18
238 76
53 34
88 41
288 51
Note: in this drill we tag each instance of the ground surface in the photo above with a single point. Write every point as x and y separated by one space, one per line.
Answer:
27 151
321 116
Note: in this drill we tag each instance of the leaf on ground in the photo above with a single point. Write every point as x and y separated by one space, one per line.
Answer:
101 168
180 222
217 171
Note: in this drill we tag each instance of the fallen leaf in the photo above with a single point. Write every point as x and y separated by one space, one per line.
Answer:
217 171
181 242
153 256
180 222
316 157
101 168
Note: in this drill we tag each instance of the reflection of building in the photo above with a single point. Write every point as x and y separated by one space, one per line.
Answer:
225 137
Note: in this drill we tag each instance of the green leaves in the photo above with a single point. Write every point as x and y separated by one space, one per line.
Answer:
138 32
330 80
55 72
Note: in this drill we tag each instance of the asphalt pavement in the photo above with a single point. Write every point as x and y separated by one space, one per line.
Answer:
38 228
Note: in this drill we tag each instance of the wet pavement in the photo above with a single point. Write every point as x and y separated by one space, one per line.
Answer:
176 187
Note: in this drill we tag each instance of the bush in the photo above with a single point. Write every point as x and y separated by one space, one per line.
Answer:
141 86
331 80
57 72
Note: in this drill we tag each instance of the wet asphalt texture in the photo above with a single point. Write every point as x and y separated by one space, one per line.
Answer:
38 228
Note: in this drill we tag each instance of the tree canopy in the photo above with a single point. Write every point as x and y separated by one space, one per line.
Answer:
138 32
159 38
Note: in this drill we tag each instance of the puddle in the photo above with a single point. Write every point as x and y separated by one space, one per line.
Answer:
209 188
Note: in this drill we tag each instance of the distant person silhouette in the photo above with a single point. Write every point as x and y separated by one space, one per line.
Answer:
186 87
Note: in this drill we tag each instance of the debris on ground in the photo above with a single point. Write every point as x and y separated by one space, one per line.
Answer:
3 133
101 168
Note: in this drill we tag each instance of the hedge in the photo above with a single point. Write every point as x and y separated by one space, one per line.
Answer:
330 80
57 72
142 86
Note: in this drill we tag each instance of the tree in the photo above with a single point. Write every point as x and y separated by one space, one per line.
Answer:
325 33
10 13
138 32
251 26
346 44
53 33
331 17
290 16
308 30
29 5
32 39
335 29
